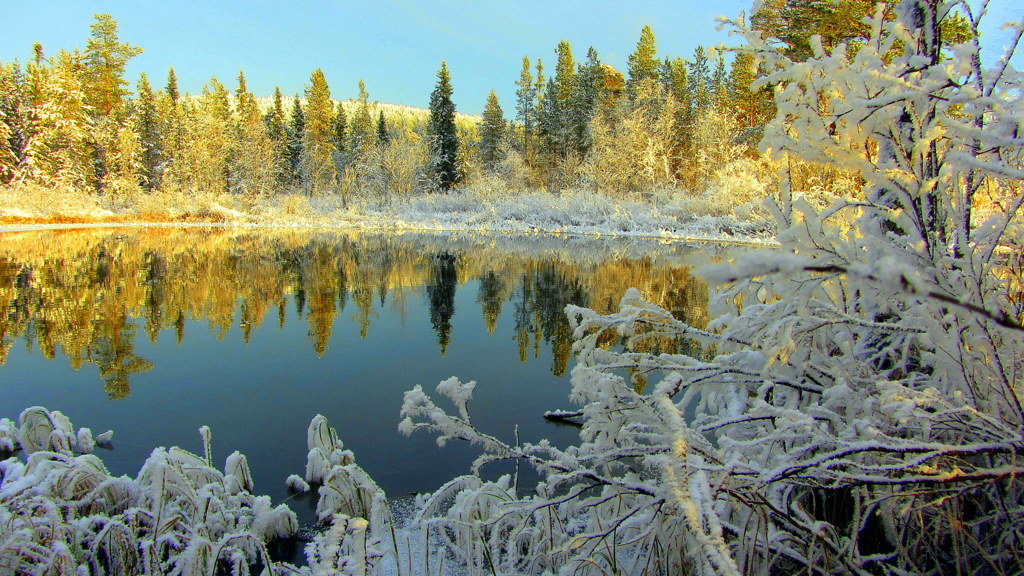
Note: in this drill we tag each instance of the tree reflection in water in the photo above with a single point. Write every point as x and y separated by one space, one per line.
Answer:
87 292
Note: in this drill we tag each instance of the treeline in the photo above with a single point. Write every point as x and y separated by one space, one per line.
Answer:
71 122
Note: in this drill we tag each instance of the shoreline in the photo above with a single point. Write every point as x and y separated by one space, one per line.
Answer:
364 226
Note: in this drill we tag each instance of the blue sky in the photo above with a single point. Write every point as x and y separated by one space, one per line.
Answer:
396 46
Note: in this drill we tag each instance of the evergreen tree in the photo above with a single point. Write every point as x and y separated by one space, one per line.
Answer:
525 112
562 119
296 128
148 129
794 22
340 129
206 156
492 133
362 134
674 79
277 132
591 81
11 120
753 108
105 60
442 137
643 64
383 136
317 159
58 149
256 160
242 88
720 82
172 85
700 80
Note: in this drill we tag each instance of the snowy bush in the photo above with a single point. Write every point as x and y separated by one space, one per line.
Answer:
857 408
62 513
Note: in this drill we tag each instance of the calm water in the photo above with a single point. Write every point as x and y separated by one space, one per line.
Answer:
156 332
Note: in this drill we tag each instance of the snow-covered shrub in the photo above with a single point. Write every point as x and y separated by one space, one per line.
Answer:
860 411
62 513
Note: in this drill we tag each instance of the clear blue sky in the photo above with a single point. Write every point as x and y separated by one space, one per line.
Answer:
395 45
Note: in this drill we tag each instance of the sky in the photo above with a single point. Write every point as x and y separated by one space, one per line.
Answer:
396 46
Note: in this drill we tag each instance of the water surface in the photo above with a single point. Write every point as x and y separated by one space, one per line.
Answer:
156 332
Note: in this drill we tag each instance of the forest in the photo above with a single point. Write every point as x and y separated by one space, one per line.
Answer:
71 123
850 403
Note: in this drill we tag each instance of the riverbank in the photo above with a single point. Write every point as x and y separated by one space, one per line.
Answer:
669 216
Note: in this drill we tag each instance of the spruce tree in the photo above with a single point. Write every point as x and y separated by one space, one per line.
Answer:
105 60
296 128
149 134
700 80
748 104
256 158
11 120
340 130
317 159
643 64
563 118
361 134
443 140
674 79
492 133
525 112
242 88
720 82
591 80
383 136
172 85
277 132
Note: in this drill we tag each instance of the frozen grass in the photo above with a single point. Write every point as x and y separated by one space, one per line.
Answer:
670 215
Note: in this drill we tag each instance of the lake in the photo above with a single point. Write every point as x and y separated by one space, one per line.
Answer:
154 332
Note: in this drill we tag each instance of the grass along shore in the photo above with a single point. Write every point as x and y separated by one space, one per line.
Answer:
668 215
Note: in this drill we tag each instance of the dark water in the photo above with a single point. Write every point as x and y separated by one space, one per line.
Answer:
156 332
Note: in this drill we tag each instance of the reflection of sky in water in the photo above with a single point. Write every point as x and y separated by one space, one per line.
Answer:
258 397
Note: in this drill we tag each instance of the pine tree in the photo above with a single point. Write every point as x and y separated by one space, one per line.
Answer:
720 82
277 132
753 108
383 136
172 85
206 155
8 161
317 148
700 79
256 161
148 129
58 149
105 60
242 88
643 64
524 107
562 118
340 129
674 79
591 81
361 134
11 120
492 133
296 128
442 137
